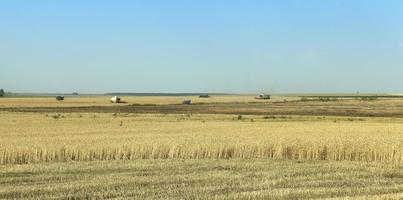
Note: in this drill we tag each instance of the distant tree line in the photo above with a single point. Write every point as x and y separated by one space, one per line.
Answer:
2 93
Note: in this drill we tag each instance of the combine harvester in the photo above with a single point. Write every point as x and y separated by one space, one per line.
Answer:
204 96
263 96
187 102
60 98
117 99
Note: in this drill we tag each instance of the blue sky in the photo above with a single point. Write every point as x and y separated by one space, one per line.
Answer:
201 46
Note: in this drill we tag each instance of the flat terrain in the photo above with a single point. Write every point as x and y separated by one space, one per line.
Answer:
106 136
83 101
202 179
230 147
246 105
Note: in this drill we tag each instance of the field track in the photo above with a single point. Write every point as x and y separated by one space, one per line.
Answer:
382 108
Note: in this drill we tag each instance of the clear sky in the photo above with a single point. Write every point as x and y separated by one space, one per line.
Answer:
201 46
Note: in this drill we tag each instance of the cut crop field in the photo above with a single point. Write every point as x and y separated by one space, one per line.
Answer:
38 137
202 179
245 105
221 150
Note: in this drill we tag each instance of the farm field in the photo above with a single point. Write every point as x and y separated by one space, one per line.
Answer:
104 136
247 105
224 150
201 100
202 179
82 101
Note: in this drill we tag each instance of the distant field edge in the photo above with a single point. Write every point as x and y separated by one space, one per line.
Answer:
224 108
165 94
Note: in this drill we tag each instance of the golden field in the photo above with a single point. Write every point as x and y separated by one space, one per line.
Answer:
39 137
127 153
202 179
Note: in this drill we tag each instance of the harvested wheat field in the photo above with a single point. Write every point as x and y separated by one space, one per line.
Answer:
106 154
202 179
104 136
201 99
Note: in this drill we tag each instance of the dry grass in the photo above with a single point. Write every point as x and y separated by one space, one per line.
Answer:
38 137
